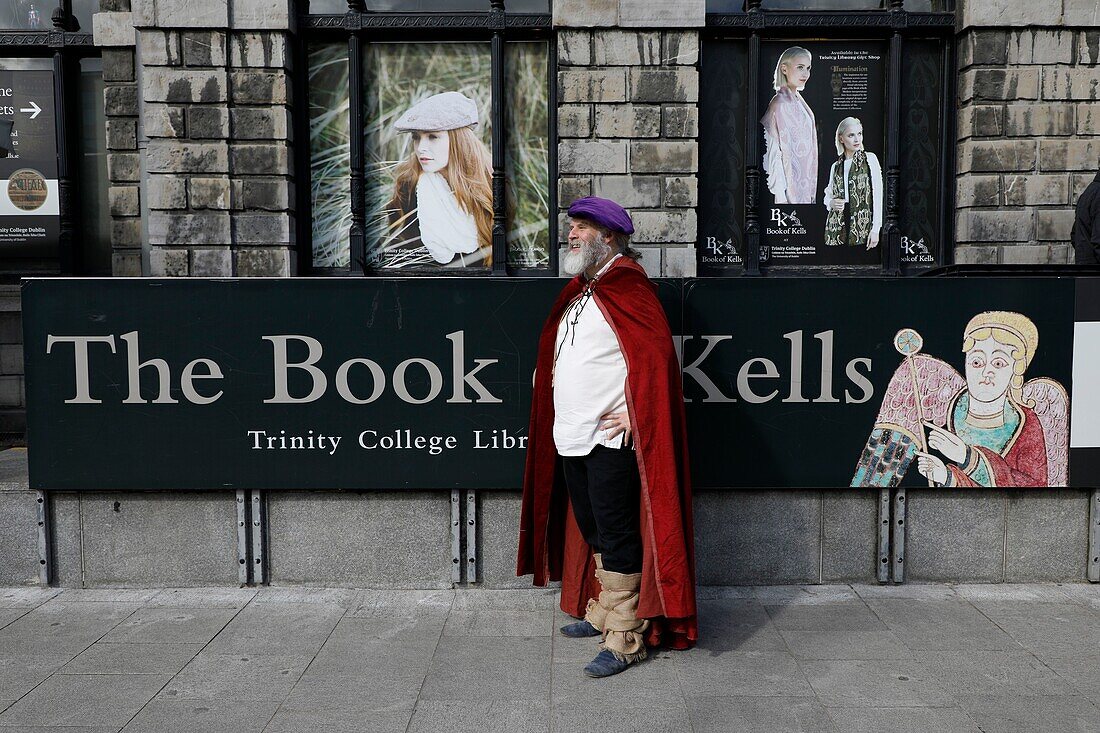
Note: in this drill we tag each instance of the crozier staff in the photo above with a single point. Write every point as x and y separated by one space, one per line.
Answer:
606 495
441 212
790 132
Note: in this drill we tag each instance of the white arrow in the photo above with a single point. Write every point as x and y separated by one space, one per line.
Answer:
34 109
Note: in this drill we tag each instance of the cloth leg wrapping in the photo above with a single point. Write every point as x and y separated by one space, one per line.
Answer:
623 631
595 613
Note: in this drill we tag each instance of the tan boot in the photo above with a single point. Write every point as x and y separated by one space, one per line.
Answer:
623 631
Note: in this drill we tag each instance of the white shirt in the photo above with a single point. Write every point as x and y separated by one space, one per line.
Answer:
589 377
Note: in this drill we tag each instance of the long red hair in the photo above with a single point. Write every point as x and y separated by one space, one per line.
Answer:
469 173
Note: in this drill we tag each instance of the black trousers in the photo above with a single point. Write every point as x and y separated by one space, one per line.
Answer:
604 490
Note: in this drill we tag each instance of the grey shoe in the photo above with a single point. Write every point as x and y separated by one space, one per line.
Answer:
579 629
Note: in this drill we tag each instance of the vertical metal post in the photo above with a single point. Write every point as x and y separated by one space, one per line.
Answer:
1094 537
882 566
259 519
357 232
898 545
456 538
500 205
751 254
42 510
242 538
471 536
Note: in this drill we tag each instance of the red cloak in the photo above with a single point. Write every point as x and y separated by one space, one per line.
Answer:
1024 462
550 544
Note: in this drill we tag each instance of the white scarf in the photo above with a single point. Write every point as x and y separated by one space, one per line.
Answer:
445 229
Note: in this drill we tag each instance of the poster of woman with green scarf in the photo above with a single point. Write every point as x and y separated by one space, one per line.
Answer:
853 195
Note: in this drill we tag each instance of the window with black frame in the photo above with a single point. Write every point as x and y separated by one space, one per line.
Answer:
430 144
804 110
53 174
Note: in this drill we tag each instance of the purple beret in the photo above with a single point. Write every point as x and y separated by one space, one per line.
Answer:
604 212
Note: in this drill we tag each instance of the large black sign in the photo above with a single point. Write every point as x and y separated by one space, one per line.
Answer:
425 383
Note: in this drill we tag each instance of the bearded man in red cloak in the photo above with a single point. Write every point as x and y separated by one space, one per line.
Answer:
606 493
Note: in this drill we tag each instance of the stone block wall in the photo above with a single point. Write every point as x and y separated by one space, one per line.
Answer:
1029 132
628 120
199 132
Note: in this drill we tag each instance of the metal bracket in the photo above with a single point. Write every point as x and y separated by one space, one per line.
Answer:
242 538
471 536
259 519
42 509
882 567
897 558
456 538
1094 537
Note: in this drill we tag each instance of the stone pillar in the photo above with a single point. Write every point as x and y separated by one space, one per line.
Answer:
1029 128
113 30
628 118
215 95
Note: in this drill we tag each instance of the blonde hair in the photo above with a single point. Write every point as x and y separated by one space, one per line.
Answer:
844 125
469 174
794 52
1011 329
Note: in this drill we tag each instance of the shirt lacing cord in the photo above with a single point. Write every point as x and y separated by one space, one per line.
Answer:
573 315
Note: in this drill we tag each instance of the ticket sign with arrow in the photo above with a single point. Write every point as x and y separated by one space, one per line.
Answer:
29 200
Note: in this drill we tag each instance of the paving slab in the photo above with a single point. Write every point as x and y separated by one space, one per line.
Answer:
651 681
109 658
487 716
759 715
940 625
1052 629
1031 714
207 716
58 628
278 628
877 683
993 673
203 598
172 625
841 616
21 673
106 595
342 597
902 720
84 699
659 717
7 615
404 603
26 597
241 677
741 673
845 644
477 668
342 719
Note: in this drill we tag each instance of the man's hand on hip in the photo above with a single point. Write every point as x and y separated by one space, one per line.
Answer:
615 423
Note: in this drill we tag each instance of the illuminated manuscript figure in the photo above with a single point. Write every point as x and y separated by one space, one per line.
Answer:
441 213
989 429
853 197
790 132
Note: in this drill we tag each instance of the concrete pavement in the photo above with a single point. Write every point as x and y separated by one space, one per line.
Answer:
779 658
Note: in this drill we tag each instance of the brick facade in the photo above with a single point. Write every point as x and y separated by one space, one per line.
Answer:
1029 131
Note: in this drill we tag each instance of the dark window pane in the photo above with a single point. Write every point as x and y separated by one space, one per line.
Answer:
725 6
428 185
95 222
527 6
922 153
26 14
82 11
823 4
329 154
328 7
426 6
930 6
722 157
526 116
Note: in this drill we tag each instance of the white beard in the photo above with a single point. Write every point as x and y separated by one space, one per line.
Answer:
574 263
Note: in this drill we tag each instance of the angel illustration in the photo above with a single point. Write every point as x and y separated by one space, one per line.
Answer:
989 428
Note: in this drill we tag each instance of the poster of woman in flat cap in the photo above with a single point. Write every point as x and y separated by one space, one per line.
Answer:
441 211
